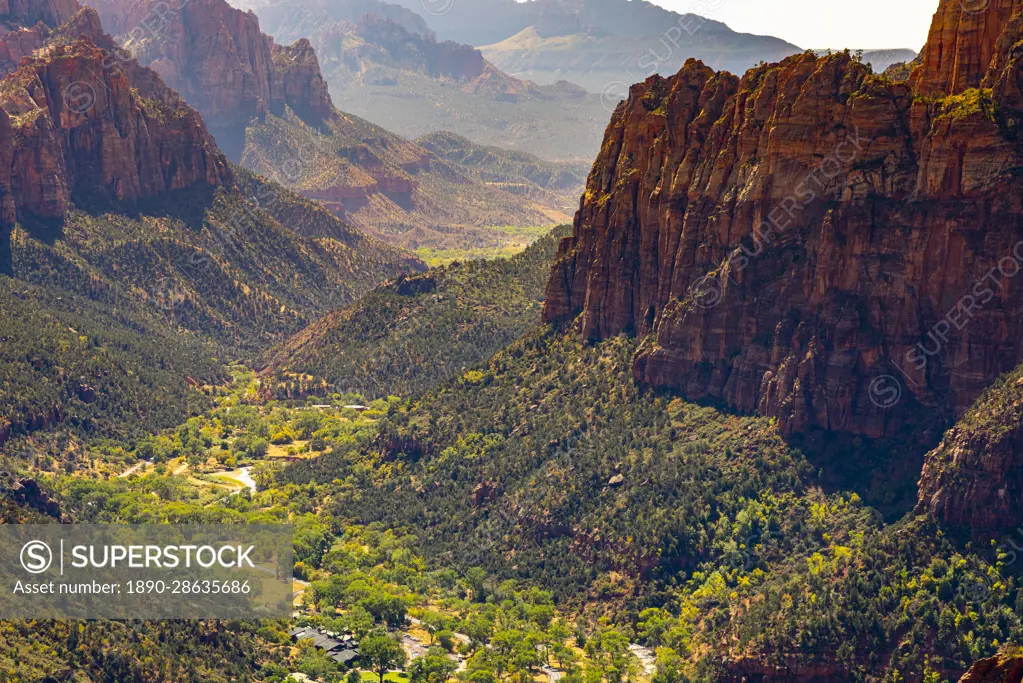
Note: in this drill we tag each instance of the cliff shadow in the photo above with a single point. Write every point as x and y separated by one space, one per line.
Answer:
190 206
885 473
48 230
6 258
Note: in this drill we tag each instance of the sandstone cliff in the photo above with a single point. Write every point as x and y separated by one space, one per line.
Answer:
303 86
221 63
25 25
811 241
79 123
974 478
28 12
1007 667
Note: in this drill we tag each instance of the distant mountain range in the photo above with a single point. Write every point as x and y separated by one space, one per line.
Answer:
540 77
880 60
384 64
608 63
269 108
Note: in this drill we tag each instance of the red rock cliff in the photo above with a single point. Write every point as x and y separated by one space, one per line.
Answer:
219 60
962 42
304 89
28 12
79 123
1006 667
810 241
25 25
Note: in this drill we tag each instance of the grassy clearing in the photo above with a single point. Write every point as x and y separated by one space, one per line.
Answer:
390 677
514 240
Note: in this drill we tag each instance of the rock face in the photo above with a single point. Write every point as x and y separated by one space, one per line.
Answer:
1004 668
25 26
84 124
304 89
17 43
27 12
811 241
26 492
221 63
962 41
974 479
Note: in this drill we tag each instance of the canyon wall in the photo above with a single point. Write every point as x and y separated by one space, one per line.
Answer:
811 241
86 124
221 63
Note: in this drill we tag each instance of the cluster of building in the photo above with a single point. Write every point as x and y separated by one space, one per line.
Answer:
341 647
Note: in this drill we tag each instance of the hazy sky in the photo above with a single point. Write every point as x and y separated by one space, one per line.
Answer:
822 23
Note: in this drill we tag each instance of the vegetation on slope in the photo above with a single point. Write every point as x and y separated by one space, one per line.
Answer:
409 335
360 579
106 317
386 185
515 172
549 465
93 368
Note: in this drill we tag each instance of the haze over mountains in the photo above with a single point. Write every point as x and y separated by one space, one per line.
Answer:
417 72
270 108
384 64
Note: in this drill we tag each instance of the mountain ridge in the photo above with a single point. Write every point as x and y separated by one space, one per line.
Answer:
273 108
377 64
127 238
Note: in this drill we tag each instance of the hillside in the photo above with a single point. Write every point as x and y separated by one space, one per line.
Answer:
704 531
392 71
130 258
390 187
411 334
608 62
515 172
880 60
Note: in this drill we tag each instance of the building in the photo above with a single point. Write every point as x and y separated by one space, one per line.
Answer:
341 647
346 657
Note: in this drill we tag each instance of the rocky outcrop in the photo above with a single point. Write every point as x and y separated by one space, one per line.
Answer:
963 40
1007 667
974 479
304 89
743 670
18 43
27 12
27 493
217 58
75 125
26 24
809 241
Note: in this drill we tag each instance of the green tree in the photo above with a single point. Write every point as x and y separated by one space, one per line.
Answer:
669 667
382 652
434 667
475 580
432 622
